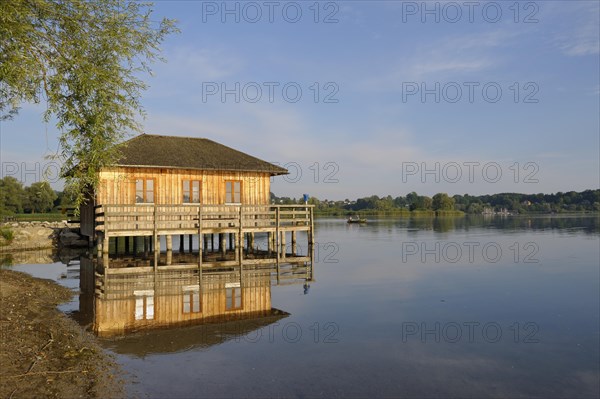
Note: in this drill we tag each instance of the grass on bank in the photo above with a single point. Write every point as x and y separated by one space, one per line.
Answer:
35 217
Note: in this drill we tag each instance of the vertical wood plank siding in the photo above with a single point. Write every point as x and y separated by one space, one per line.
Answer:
117 185
115 310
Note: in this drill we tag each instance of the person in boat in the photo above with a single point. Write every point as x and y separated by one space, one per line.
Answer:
354 219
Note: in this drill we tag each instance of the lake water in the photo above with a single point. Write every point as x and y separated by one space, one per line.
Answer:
469 307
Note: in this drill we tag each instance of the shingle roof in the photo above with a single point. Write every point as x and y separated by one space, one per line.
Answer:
190 153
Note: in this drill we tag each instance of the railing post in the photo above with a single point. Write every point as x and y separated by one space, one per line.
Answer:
156 243
105 238
312 227
200 242
277 249
283 245
239 241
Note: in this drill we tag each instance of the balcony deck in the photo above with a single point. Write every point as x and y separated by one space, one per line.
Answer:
152 219
237 221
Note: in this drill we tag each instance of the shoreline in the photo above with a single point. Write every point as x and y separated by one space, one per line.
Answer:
43 352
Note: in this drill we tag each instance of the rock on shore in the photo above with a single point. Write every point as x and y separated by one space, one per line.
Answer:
41 235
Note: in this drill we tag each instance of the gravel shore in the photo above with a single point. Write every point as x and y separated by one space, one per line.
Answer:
44 353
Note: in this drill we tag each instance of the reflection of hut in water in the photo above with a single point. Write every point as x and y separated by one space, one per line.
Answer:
119 303
146 342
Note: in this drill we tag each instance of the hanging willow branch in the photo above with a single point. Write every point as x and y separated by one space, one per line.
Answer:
86 59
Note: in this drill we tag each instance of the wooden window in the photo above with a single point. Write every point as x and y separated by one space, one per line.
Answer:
144 191
191 191
233 192
191 301
144 305
233 296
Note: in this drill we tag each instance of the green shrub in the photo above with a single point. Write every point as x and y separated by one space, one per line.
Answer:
7 234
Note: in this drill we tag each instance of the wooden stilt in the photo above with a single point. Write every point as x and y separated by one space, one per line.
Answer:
283 245
270 242
106 244
200 244
277 246
105 263
201 249
156 250
239 240
222 244
146 246
311 232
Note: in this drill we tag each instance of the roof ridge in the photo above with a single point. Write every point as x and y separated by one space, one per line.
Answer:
190 152
167 136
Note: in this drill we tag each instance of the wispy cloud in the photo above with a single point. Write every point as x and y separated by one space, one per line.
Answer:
204 63
552 155
444 59
188 66
582 37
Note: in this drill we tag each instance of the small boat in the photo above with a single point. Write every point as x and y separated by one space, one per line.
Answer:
356 220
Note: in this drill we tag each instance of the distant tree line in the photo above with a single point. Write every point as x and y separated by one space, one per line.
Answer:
37 198
584 201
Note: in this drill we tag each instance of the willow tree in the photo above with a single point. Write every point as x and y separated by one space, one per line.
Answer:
86 60
442 202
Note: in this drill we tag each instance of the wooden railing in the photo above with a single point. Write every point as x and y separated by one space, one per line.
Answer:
148 219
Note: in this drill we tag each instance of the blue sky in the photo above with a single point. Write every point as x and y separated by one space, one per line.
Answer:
456 97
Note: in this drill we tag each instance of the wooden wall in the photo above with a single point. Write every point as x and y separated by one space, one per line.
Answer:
115 314
117 185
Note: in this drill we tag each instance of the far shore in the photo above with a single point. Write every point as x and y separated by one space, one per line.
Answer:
410 214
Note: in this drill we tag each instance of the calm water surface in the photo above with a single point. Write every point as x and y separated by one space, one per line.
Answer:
468 307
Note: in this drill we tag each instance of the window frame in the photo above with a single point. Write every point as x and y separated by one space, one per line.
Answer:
144 190
148 305
230 293
233 202
190 191
191 294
